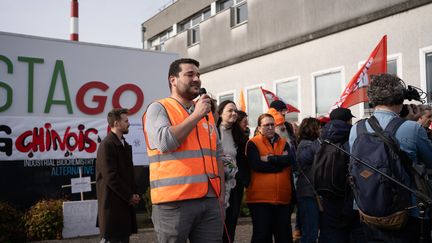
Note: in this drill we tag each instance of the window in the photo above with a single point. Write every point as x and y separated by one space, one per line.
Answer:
428 66
206 14
191 24
392 67
223 4
193 35
254 105
327 91
426 71
239 12
194 20
184 25
224 97
288 91
157 42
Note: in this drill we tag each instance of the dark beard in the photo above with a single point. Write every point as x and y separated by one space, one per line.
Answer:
190 95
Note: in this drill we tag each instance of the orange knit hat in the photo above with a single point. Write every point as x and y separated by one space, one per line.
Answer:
279 119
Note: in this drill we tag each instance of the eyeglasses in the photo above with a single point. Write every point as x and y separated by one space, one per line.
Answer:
268 125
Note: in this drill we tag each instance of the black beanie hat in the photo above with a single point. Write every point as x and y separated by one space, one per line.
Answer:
278 105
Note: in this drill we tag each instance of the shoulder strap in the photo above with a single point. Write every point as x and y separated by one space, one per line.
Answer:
394 125
361 127
391 127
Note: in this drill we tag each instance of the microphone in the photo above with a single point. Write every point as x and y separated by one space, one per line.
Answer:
203 91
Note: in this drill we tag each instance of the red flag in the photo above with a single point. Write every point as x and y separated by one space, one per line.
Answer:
270 97
356 90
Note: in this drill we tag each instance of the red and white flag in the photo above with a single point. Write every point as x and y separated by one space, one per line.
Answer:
270 97
356 90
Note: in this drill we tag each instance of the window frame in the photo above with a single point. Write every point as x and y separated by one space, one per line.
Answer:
422 60
340 69
287 80
192 37
234 12
246 97
218 4
224 93
160 39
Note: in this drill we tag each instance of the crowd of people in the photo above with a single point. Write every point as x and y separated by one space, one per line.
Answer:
204 162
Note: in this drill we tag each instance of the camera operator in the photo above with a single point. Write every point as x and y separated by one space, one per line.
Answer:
387 93
425 119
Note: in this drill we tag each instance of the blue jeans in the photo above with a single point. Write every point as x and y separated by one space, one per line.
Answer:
309 216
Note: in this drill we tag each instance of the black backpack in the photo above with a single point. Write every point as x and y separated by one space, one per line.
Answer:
382 203
329 171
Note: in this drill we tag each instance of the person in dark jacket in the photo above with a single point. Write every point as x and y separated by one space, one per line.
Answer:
339 222
307 206
115 183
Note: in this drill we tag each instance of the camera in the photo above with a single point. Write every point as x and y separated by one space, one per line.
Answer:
412 93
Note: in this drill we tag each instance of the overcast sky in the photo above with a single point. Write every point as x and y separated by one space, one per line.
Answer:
114 22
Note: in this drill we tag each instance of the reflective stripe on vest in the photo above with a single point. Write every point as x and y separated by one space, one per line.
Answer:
274 188
186 172
180 180
178 155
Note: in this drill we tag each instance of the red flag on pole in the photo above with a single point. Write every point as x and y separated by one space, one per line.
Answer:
356 90
270 97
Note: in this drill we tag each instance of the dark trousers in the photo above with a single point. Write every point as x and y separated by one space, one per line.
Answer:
270 221
232 212
308 213
410 233
339 223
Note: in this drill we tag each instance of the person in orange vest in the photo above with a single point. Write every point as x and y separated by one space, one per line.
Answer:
269 193
186 173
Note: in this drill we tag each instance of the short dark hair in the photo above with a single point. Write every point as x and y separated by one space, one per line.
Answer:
386 89
309 129
279 105
115 115
175 69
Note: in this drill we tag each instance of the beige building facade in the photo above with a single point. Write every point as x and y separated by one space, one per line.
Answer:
304 51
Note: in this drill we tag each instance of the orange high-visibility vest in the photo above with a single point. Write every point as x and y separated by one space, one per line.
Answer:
186 172
274 188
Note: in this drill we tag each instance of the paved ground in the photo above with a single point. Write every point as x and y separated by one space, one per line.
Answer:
243 235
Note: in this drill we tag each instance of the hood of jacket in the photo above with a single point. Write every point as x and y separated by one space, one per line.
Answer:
336 131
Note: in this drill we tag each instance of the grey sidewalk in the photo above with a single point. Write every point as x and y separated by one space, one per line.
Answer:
243 235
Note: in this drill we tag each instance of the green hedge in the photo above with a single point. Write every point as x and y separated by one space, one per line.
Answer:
11 224
44 220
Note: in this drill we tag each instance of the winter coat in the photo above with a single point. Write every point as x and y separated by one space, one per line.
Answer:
335 131
115 185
